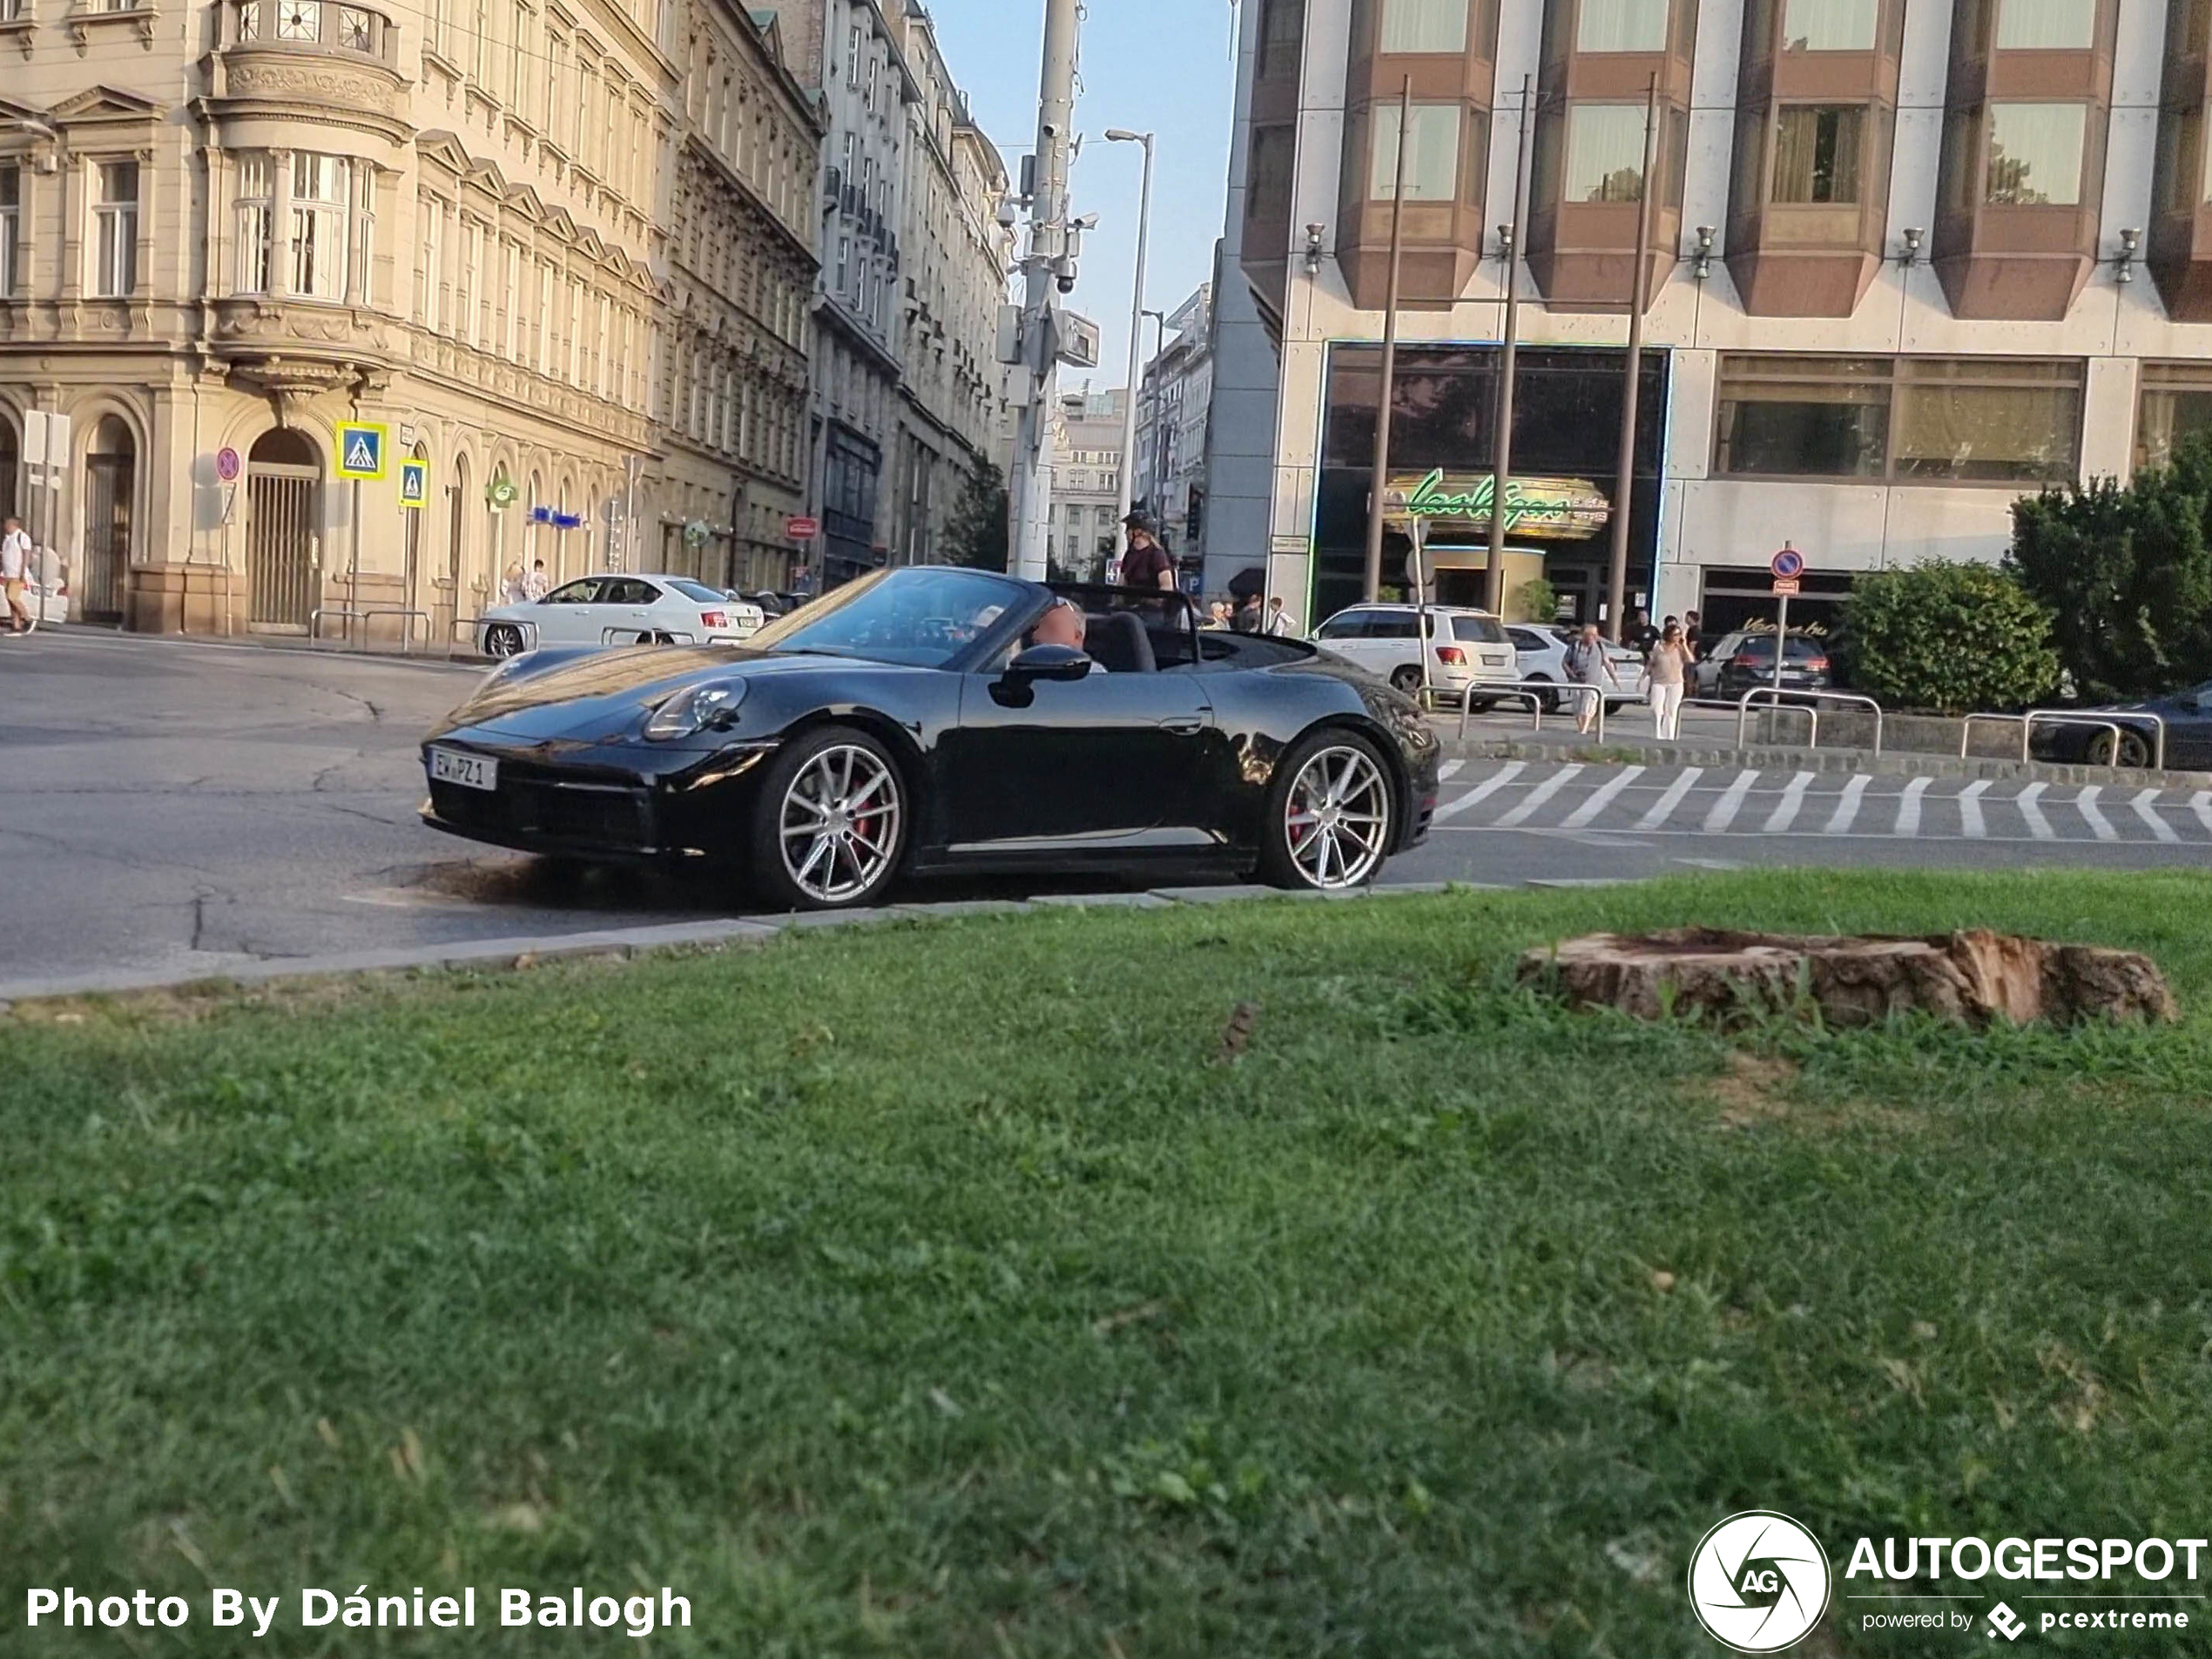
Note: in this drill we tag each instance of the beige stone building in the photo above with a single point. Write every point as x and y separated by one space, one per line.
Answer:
1085 438
559 250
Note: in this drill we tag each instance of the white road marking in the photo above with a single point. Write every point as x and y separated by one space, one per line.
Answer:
1448 771
2201 804
1908 808
2146 808
1970 818
1792 802
1482 791
1541 793
1846 812
1589 811
2038 826
2085 803
1725 809
1664 809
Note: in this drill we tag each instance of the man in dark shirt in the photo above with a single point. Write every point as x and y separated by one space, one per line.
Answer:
1146 564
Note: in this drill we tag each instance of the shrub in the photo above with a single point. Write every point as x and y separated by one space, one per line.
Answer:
1948 638
2126 571
1538 601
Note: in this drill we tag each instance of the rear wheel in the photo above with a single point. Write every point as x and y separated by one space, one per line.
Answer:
1549 699
1407 679
2134 750
502 639
830 827
1330 815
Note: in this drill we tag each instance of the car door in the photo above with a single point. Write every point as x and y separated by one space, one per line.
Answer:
628 604
1110 762
1345 635
563 616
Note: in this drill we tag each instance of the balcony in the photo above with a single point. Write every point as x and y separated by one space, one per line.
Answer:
303 54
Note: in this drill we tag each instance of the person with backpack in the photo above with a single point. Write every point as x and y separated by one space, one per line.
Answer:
15 573
1587 665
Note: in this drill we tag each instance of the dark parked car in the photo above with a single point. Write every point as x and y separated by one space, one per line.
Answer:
1804 665
908 723
2187 716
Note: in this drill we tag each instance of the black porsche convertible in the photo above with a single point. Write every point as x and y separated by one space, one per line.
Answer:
911 723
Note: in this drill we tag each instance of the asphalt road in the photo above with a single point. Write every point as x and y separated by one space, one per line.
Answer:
181 806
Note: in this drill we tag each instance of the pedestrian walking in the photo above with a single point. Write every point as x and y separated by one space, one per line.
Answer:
1587 665
1640 635
1669 669
1279 625
1248 619
14 572
1216 615
514 588
536 584
1693 634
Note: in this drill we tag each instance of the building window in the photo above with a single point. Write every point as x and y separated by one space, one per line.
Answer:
1621 26
299 20
430 266
1928 420
322 189
10 225
2176 400
115 225
1423 26
2035 154
256 223
1604 152
1828 26
1431 152
2044 25
356 30
1817 153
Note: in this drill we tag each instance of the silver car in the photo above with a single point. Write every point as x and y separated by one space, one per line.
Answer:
614 610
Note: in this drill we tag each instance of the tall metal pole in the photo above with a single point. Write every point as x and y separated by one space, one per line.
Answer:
1372 588
1493 574
1135 339
1046 264
1616 586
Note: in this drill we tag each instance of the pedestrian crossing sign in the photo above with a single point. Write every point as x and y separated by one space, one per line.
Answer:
360 450
414 484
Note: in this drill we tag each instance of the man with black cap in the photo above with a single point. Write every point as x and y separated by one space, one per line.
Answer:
1146 564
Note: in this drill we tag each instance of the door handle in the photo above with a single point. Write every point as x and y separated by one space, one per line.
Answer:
1184 725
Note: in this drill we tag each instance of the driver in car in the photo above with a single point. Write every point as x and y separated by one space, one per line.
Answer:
1064 624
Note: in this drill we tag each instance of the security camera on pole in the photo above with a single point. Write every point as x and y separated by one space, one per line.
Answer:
1049 271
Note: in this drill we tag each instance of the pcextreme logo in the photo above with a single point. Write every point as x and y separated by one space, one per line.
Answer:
1758 1582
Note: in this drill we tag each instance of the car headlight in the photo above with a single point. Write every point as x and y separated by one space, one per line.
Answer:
694 709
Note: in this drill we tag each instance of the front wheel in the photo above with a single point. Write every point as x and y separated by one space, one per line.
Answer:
2134 751
1407 679
502 640
830 827
1330 815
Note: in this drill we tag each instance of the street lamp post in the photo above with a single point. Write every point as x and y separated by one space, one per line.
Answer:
1152 461
1122 135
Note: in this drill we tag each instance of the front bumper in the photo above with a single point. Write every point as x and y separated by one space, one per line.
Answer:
595 805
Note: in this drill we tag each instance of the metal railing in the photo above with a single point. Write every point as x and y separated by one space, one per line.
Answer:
349 616
2122 730
1535 693
1807 702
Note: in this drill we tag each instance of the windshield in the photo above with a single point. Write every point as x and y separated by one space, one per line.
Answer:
925 616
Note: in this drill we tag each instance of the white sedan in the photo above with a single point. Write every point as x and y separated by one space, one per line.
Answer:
614 610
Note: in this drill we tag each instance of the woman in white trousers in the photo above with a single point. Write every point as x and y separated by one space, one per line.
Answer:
1670 669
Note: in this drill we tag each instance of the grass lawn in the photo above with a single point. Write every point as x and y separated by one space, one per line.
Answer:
927 1291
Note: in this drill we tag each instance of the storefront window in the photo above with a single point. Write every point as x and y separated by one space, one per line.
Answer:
1423 26
2035 153
2065 26
1817 153
1828 26
1431 152
1604 153
1929 420
1621 26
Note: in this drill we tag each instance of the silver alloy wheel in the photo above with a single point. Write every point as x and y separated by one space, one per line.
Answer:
839 823
502 639
1337 819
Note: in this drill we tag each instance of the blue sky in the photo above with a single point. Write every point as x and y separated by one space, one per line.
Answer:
1158 65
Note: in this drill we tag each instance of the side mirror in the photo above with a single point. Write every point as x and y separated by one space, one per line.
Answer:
1049 663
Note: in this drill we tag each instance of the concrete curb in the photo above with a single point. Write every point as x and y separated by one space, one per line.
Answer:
626 942
1888 763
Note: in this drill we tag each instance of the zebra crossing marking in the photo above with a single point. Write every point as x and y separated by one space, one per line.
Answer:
1482 791
2201 804
1970 818
1793 799
1676 792
1448 771
1588 812
2160 829
2085 804
1908 808
1537 796
2028 801
1846 812
1725 809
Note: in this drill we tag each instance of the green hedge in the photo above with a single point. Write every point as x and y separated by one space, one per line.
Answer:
1948 639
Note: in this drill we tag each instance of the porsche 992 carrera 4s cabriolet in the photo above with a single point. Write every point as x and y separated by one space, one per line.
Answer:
927 721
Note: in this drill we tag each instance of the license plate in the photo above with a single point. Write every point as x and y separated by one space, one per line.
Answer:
470 771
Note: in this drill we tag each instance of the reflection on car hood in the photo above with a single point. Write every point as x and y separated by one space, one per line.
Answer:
607 689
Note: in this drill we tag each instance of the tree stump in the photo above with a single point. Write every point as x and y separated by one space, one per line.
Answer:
1967 978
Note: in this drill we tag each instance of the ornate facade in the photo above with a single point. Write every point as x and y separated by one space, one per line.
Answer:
559 252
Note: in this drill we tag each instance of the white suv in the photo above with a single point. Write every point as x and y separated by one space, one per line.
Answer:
1466 647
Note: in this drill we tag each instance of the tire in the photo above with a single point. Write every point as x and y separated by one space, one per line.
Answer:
2134 751
1549 700
811 849
1612 706
1407 679
1313 840
502 640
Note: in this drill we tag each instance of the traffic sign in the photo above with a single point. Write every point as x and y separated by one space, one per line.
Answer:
228 466
1787 586
414 485
360 450
802 529
1788 564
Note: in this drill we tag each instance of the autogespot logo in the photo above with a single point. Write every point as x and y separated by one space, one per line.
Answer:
1759 1581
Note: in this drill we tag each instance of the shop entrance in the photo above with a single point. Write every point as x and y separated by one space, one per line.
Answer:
283 481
